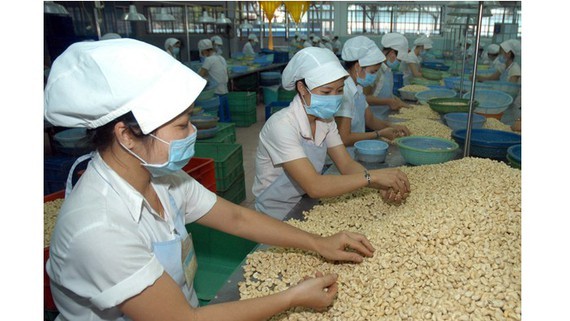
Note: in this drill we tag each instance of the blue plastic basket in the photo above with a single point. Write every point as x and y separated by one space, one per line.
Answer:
208 104
491 101
508 87
239 69
487 143
371 150
515 153
436 65
459 120
424 96
207 133
425 150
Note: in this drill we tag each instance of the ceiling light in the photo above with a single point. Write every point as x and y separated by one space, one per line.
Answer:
163 16
51 7
133 15
222 20
206 18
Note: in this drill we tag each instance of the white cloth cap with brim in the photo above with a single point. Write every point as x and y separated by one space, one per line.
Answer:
170 42
318 66
493 49
512 45
364 50
217 40
423 41
205 44
111 35
253 37
316 39
93 83
397 42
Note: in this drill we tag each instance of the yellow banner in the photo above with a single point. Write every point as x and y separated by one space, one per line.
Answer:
297 9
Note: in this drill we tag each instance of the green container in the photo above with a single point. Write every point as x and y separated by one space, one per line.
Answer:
218 254
270 94
431 74
450 105
226 134
236 192
285 95
242 101
228 161
244 119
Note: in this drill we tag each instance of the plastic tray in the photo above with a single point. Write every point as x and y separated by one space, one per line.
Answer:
459 120
491 101
488 143
242 101
424 96
204 121
203 171
515 153
226 134
210 103
450 105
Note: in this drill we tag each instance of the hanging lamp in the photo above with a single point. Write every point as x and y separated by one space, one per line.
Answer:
205 18
133 15
51 7
222 20
163 16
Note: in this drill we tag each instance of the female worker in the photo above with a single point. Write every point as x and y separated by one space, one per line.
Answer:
362 59
511 70
120 250
380 96
248 47
306 42
216 68
294 142
172 46
410 65
217 42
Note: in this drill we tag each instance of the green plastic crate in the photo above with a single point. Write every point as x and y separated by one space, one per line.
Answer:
285 95
218 255
242 101
244 119
236 192
228 161
226 134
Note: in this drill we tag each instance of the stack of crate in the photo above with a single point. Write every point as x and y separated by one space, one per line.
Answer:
243 107
226 134
228 162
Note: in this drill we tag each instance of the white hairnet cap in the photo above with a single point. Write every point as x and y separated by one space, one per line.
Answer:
512 45
493 49
170 42
217 40
110 35
318 66
253 37
423 41
93 83
205 44
316 39
364 50
397 42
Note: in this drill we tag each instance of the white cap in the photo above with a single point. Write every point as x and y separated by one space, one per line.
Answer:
110 35
493 49
326 38
170 42
423 41
204 44
303 37
397 42
217 40
316 39
364 50
252 37
318 66
93 83
512 45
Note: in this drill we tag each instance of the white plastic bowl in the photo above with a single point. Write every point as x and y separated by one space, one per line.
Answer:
371 151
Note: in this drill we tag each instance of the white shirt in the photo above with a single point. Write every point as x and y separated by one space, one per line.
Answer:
513 70
381 81
248 49
337 45
329 46
100 252
348 107
307 44
218 70
280 141
410 58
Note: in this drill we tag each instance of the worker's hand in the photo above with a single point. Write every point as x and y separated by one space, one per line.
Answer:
404 131
391 133
402 104
392 183
517 126
396 104
316 293
345 246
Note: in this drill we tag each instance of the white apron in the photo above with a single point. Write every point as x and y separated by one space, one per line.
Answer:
385 92
284 193
358 122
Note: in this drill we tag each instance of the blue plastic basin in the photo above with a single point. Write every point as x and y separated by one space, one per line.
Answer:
459 120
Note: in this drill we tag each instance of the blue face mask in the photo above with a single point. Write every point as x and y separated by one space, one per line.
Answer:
393 65
368 80
502 59
179 154
175 51
323 106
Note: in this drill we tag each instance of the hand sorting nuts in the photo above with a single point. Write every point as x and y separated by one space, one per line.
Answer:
452 251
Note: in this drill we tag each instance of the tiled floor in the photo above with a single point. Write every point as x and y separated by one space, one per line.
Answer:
248 137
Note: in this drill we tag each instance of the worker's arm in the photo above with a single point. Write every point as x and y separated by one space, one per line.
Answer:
203 73
164 300
495 76
348 137
414 68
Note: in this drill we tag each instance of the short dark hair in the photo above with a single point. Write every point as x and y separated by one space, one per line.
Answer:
102 137
349 64
386 51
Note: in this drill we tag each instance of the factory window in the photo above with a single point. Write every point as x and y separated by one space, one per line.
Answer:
402 18
176 26
510 15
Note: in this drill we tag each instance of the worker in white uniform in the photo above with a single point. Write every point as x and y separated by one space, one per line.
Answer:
248 47
327 43
120 250
337 46
217 42
215 68
317 42
306 42
490 56
427 45
362 59
172 46
411 64
381 96
295 141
